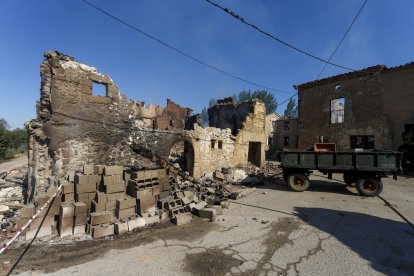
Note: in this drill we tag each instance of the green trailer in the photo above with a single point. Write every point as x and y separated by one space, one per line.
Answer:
364 169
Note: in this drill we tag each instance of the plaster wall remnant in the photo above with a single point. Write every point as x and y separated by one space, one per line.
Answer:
373 107
76 127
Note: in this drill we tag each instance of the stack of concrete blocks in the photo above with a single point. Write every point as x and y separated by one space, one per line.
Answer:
68 191
113 186
125 208
85 185
145 187
80 217
100 224
67 212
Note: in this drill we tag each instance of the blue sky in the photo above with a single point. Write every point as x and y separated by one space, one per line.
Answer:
147 71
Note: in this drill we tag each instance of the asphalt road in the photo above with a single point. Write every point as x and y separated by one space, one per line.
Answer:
328 230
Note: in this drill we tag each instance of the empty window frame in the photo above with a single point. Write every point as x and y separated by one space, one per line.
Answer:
213 144
286 141
99 89
220 144
337 86
286 125
362 142
337 111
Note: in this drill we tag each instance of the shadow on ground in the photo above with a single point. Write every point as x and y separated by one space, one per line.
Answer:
385 243
315 186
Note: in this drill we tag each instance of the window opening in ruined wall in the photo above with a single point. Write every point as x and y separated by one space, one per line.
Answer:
99 89
286 125
220 144
213 144
337 111
338 86
362 142
286 141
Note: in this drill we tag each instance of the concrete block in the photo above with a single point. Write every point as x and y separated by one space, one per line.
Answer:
65 232
152 220
67 210
188 194
85 188
208 213
107 180
91 195
101 197
43 232
79 229
27 211
81 179
40 200
162 173
98 169
83 197
80 208
155 189
176 211
120 228
125 213
97 207
144 206
68 197
186 200
136 223
113 170
48 221
117 179
53 210
126 202
110 205
173 204
88 169
99 231
80 219
115 188
140 175
112 197
66 222
218 208
101 217
70 176
68 188
181 219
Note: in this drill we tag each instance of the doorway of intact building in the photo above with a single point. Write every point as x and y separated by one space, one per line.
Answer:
255 151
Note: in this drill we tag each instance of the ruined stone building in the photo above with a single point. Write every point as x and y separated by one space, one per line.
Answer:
77 125
370 109
285 135
270 128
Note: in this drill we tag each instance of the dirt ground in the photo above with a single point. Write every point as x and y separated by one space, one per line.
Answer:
327 230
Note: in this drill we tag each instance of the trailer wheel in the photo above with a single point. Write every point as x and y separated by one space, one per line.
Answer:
298 182
350 179
369 186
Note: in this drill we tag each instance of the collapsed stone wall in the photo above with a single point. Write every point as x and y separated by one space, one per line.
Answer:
75 127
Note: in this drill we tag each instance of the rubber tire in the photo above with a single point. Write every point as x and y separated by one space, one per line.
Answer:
350 179
293 180
374 189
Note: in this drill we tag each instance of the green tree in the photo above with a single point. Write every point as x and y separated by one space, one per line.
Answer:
265 96
291 109
11 141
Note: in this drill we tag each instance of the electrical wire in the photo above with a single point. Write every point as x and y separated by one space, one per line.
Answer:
343 37
180 51
241 19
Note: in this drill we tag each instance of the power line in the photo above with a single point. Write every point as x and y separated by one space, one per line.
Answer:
241 19
343 37
179 51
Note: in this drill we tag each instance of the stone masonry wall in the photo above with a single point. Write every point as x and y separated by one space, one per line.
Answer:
378 103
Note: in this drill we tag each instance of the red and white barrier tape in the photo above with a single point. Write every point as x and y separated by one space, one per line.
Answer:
4 246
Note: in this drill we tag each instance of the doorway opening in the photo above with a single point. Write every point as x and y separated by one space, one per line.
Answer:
254 154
